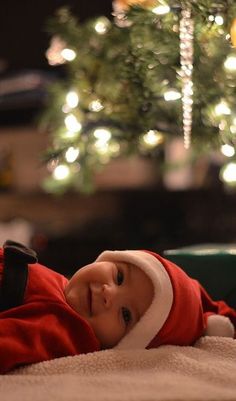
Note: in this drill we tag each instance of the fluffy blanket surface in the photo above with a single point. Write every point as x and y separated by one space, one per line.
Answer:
206 371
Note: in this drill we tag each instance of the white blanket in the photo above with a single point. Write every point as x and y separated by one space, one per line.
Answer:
206 371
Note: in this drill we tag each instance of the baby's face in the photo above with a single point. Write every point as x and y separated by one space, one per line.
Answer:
111 297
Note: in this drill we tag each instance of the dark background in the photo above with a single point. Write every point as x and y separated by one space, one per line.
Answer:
23 42
24 39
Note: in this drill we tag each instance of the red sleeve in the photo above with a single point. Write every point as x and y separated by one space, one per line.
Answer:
39 332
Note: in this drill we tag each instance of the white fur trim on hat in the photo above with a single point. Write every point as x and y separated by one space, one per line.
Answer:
219 326
155 316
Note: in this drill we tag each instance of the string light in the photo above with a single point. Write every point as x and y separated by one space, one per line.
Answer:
71 154
114 148
172 94
101 146
65 108
72 99
222 108
72 124
227 150
69 135
68 54
233 128
96 105
228 173
219 20
102 134
152 138
161 9
102 25
230 63
61 172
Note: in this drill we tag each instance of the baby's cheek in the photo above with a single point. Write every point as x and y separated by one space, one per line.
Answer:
108 330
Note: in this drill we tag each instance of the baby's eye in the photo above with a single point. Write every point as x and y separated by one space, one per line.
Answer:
120 277
126 315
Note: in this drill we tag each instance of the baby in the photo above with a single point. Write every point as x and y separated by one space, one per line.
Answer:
124 300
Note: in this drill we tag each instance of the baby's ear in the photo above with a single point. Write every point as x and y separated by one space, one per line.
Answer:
219 326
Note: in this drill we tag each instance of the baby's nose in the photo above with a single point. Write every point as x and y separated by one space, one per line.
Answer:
108 293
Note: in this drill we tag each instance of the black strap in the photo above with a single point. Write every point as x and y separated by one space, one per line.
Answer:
15 273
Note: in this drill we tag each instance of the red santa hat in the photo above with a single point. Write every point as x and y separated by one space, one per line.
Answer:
175 315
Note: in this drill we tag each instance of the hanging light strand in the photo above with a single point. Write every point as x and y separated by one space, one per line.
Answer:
186 61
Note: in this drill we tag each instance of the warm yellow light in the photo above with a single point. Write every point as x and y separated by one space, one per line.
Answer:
68 54
222 108
72 124
102 134
152 138
61 172
71 154
69 135
161 9
230 63
211 18
171 95
65 108
227 150
219 20
233 129
114 148
96 105
101 146
229 173
102 25
72 99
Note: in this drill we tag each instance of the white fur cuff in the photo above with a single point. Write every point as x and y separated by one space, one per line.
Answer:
219 326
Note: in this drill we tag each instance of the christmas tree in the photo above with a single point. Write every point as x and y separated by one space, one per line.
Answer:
154 71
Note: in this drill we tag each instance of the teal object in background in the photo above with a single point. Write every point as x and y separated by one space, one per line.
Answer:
213 265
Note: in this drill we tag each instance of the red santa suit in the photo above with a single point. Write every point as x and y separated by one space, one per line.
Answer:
44 326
